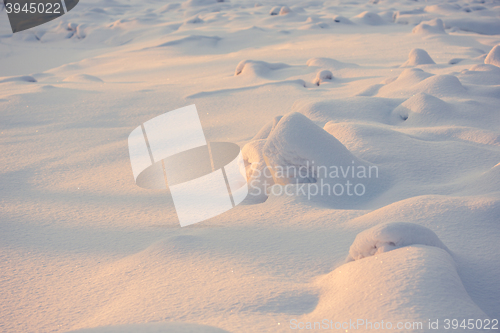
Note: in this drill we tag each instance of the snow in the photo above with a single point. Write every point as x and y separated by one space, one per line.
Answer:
435 26
390 236
409 89
154 328
329 63
435 291
493 58
369 18
284 10
83 78
323 77
258 174
24 78
485 26
418 57
298 142
257 68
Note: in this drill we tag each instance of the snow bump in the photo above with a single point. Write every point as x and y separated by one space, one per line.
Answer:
418 57
493 58
390 236
257 68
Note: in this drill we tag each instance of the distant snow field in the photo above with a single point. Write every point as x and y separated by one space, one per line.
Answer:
370 132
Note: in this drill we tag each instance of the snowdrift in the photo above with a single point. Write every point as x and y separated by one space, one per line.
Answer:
408 285
418 57
293 150
297 142
435 26
257 68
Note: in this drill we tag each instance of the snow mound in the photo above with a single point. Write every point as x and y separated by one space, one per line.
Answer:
441 85
368 18
442 8
404 82
279 10
275 10
455 61
153 328
435 26
82 78
411 76
294 150
24 78
493 57
284 10
257 68
415 81
390 236
413 283
323 76
297 142
418 57
485 68
481 74
423 109
329 63
341 19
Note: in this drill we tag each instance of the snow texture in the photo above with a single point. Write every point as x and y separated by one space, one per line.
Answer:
84 248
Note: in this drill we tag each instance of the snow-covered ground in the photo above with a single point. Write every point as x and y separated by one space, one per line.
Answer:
407 89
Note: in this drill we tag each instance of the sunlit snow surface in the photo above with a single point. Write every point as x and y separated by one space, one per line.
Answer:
409 87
